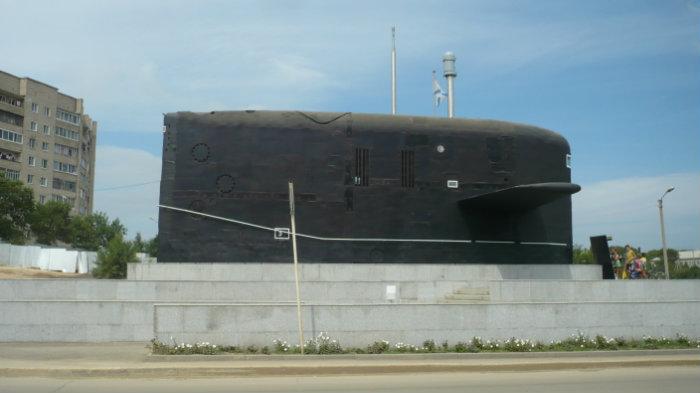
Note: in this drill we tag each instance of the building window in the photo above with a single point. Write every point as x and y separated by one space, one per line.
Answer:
64 199
31 161
32 143
42 199
30 179
35 107
66 133
59 166
47 130
33 126
43 182
65 150
60 184
11 136
9 173
47 111
10 101
45 146
68 117
44 163
11 118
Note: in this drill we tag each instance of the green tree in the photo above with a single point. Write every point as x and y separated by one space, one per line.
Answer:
83 234
112 260
653 254
678 271
151 247
655 265
16 208
139 245
582 255
94 231
50 222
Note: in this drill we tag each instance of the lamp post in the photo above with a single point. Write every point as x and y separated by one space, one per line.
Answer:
663 231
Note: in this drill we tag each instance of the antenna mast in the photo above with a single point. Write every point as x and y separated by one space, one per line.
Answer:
393 70
450 72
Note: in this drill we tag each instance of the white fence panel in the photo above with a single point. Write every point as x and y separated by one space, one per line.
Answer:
58 259
63 260
5 253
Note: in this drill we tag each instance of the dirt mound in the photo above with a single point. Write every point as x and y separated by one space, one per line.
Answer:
19 273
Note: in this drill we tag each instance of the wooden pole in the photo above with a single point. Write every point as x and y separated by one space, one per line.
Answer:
296 265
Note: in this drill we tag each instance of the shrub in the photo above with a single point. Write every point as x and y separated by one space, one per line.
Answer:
325 345
403 348
429 345
603 342
378 347
461 347
518 345
203 348
112 260
280 346
477 343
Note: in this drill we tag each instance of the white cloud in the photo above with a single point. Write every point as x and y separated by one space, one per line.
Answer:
135 206
627 210
146 58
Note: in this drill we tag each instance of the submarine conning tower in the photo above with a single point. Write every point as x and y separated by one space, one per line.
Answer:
368 188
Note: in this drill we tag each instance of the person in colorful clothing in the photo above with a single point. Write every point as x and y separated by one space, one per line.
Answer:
630 256
643 266
617 264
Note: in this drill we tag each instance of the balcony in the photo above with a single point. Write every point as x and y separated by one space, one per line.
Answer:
10 118
6 106
10 160
6 145
9 155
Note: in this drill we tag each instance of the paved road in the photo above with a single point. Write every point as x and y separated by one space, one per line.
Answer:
619 380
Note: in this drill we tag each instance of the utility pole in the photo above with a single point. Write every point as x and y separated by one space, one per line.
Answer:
296 265
663 230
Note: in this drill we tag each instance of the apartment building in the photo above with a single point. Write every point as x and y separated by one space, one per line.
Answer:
47 142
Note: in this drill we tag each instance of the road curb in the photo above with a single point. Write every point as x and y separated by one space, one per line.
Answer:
233 371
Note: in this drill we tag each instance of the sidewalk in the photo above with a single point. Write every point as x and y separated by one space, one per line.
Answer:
133 360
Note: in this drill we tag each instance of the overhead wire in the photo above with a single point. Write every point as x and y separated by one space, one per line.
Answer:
128 186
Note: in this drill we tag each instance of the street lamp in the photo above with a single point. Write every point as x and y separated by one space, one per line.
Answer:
663 231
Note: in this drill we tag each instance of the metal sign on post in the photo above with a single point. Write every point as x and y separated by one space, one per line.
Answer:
296 265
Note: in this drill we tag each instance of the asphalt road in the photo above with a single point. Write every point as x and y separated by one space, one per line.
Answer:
618 380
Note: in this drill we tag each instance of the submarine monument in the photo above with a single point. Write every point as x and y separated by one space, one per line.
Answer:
370 188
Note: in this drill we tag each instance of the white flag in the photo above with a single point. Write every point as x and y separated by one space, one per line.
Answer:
438 94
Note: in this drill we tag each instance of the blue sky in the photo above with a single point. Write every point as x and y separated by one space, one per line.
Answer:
619 79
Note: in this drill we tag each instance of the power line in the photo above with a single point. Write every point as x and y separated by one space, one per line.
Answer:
128 186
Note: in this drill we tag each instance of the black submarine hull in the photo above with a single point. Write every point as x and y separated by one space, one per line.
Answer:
368 188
